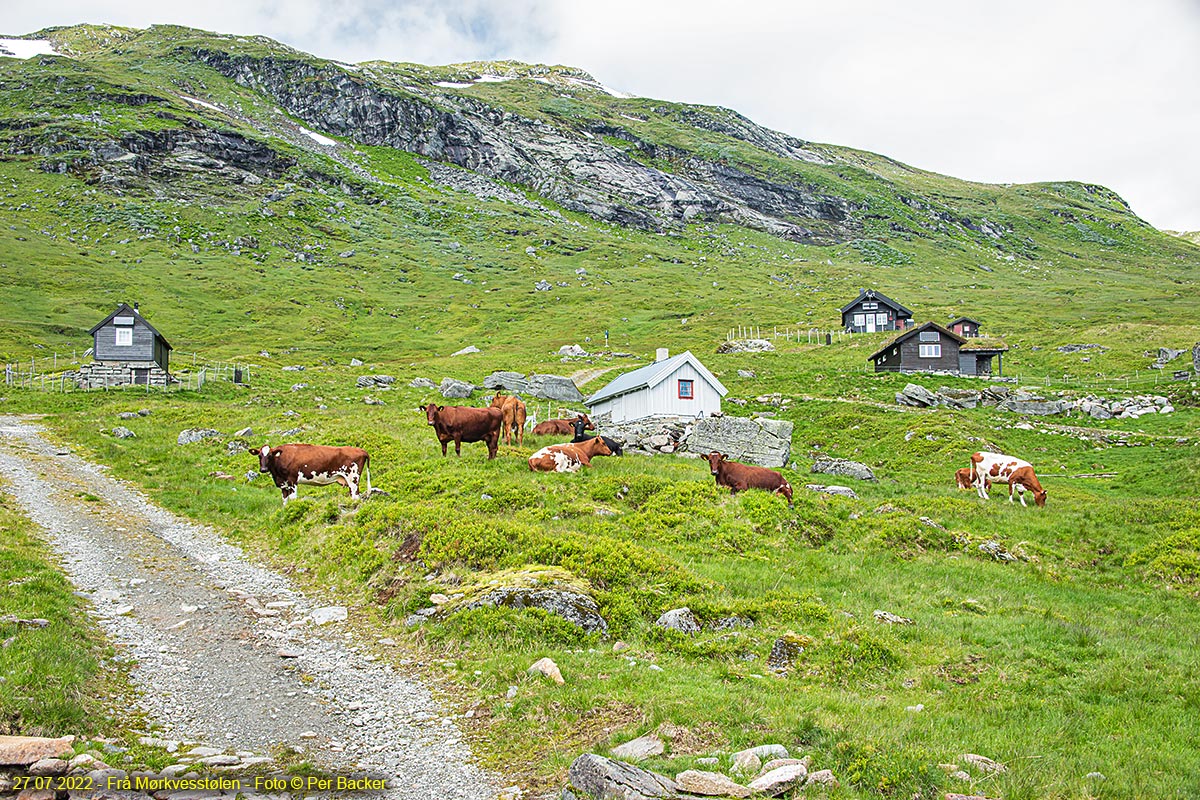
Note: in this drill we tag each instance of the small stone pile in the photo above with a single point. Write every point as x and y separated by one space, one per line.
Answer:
746 346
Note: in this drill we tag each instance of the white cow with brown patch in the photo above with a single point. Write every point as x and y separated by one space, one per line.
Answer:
290 465
998 468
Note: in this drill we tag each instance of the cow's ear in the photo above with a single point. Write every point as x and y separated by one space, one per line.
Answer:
275 453
441 408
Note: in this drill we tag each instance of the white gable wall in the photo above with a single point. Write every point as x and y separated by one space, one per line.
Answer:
663 399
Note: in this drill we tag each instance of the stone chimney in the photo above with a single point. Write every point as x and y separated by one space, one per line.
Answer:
661 354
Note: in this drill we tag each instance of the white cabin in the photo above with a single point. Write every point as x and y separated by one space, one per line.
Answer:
670 387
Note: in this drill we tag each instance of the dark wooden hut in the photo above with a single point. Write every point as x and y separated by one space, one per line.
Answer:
872 311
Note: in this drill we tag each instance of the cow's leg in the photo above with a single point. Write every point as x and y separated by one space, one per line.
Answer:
493 443
458 445
980 487
289 492
1021 495
444 443
1010 492
352 484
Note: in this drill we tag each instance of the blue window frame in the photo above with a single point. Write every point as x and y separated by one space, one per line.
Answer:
687 389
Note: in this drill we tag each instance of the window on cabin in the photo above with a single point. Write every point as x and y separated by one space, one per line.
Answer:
860 320
881 320
930 336
686 389
124 337
931 350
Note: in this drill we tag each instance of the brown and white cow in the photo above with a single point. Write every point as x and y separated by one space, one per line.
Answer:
965 478
558 427
460 424
290 465
515 415
739 477
568 457
988 468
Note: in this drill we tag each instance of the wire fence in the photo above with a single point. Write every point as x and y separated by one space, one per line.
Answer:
788 334
59 372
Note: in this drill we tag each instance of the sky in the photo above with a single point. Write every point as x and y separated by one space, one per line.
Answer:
1103 91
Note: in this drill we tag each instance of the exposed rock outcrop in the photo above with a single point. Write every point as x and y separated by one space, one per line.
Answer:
763 442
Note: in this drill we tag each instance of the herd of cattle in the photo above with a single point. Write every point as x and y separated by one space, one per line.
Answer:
293 464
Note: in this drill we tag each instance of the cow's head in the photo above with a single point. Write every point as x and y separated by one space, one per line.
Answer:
265 455
498 401
431 412
587 423
580 425
964 477
714 461
601 447
1039 498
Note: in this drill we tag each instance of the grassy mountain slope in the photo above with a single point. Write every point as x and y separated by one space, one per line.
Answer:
176 167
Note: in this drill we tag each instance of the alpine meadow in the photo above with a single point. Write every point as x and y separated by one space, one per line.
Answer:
335 231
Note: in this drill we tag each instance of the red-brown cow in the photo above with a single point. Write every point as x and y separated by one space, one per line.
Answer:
460 424
965 479
556 427
514 413
568 457
739 477
293 464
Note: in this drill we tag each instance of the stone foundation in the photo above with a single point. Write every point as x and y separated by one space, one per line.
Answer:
107 374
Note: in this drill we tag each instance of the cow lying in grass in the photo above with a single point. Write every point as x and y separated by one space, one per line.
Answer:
740 477
290 465
568 457
988 468
580 424
460 424
557 427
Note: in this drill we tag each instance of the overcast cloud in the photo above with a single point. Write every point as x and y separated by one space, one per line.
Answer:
1028 90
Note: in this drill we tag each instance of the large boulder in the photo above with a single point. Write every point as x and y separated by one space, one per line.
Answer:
764 442
509 381
554 387
456 389
746 346
593 776
571 606
422 383
843 467
710 784
193 435
680 619
22 751
916 395
1196 358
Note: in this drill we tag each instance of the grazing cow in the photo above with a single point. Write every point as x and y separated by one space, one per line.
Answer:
965 479
514 417
578 425
460 424
556 427
988 468
739 477
568 457
293 464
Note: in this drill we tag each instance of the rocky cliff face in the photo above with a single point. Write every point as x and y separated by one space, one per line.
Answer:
576 169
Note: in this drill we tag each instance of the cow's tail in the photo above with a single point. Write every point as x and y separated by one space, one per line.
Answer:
367 471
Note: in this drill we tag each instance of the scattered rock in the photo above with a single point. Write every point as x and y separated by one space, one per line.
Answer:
680 619
543 286
547 667
640 748
710 784
746 373
192 435
767 751
1078 348
779 780
294 368
593 776
996 550
466 350
888 618
221 760
843 467
554 387
983 763
422 383
49 766
745 763
841 491
823 777
784 652
245 432
120 432
574 607
354 362
22 751
328 614
1095 776
572 351
456 389
746 346
762 442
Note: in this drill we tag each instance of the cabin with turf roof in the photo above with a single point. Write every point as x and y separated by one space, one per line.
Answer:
932 348
872 311
126 350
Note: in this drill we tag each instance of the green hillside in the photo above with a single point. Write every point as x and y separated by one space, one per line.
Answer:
175 168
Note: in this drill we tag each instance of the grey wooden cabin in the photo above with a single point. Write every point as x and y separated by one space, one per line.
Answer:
126 349
932 348
872 311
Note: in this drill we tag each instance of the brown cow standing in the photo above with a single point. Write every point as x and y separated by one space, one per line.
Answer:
292 464
460 424
514 417
568 457
562 426
739 477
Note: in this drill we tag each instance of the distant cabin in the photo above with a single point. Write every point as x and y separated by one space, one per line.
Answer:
872 311
964 326
126 349
932 348
678 386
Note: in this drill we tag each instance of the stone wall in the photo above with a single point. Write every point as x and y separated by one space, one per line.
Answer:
106 374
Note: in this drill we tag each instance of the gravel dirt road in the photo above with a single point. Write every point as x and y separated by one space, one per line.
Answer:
228 652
